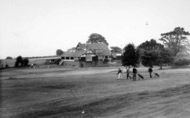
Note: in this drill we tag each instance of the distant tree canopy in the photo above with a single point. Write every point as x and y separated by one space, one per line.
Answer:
153 53
20 62
9 57
130 56
95 38
116 49
165 57
151 45
176 41
59 52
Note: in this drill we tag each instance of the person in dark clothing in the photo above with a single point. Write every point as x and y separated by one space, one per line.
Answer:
134 73
150 71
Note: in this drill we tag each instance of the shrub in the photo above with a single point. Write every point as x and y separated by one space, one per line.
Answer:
18 62
182 62
25 62
21 62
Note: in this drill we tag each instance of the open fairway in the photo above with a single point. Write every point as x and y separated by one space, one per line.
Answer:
93 92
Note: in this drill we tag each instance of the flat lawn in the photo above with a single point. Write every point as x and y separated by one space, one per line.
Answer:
93 92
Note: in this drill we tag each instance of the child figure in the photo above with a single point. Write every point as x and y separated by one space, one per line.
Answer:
119 74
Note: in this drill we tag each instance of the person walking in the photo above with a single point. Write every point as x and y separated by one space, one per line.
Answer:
119 74
134 73
150 71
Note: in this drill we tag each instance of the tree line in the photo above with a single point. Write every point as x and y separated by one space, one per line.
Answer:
150 53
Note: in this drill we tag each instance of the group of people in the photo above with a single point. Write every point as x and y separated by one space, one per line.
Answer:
134 73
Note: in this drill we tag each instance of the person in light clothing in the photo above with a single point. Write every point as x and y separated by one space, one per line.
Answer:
119 74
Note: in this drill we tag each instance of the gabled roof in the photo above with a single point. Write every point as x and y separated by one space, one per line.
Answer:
98 48
74 53
90 48
81 46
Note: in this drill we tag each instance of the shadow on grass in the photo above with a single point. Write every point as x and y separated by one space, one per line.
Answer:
59 86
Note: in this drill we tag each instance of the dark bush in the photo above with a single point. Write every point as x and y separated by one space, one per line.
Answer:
21 62
182 62
105 61
25 62
18 62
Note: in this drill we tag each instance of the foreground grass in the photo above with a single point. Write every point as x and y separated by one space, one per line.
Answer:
106 105
52 94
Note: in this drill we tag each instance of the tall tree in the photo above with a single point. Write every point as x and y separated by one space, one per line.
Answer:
164 57
59 52
176 40
95 38
149 58
130 56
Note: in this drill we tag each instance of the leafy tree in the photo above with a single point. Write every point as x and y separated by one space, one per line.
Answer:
96 38
130 56
164 57
153 53
59 52
156 57
176 40
149 58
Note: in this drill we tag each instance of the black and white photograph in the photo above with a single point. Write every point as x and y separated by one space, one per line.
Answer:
94 59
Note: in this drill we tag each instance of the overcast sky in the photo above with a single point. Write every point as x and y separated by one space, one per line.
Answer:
40 27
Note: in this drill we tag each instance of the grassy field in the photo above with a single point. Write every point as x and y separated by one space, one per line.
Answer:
93 92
